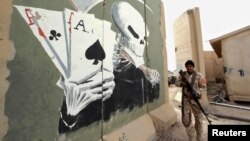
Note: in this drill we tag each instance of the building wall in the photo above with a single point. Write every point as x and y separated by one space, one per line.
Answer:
213 66
235 53
34 106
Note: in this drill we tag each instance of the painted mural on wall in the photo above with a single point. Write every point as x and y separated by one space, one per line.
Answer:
99 68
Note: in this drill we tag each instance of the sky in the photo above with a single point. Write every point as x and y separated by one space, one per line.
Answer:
218 17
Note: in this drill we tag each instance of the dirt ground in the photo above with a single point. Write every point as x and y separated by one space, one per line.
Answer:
217 114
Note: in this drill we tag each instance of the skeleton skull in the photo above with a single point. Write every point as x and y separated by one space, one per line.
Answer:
132 41
131 25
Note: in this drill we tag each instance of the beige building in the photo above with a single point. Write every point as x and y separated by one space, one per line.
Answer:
213 66
234 49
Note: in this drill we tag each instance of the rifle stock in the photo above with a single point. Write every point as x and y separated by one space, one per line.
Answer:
192 91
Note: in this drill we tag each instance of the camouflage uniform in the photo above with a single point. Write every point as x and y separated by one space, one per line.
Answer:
189 106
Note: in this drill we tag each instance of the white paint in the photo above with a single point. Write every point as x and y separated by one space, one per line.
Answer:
131 42
84 84
78 96
125 16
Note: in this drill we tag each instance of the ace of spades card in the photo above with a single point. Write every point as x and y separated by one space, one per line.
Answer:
88 49
48 27
68 16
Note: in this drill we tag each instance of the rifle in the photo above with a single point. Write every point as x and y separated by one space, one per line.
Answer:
192 91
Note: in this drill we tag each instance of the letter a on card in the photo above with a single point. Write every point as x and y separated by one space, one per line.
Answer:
48 27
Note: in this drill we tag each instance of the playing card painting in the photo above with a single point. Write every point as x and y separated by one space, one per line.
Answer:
102 71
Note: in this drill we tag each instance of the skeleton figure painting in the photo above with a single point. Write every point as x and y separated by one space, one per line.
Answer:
95 73
131 40
135 83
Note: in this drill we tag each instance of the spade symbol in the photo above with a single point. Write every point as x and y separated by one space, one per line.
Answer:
96 52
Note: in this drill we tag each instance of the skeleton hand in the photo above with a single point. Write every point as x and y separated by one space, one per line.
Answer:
79 95
154 77
151 74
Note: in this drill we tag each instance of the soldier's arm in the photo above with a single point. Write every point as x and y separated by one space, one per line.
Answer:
202 84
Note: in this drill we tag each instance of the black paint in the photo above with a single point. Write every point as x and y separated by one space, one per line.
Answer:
54 35
95 52
81 23
132 31
131 90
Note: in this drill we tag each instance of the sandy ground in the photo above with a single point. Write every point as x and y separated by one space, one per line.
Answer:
177 131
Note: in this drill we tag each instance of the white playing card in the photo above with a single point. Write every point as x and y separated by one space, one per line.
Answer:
69 15
49 29
84 62
108 45
102 29
94 35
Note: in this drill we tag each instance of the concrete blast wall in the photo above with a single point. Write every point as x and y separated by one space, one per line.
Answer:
83 70
188 42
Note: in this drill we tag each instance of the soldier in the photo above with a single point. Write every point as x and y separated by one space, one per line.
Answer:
189 106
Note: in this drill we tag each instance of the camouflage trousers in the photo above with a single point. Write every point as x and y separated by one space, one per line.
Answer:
194 131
